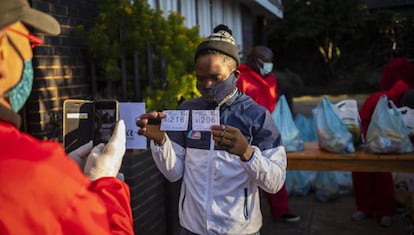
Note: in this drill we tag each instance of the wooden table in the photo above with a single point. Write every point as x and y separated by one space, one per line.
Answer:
313 158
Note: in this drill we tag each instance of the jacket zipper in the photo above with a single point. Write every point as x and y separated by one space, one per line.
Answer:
182 201
246 211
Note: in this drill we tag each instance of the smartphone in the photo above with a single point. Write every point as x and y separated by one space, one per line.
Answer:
77 123
106 115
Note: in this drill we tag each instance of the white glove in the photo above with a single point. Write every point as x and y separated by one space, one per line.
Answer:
79 155
106 160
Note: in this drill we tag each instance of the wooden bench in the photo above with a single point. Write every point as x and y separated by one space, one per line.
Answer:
313 158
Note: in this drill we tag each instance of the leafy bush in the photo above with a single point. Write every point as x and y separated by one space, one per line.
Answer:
124 29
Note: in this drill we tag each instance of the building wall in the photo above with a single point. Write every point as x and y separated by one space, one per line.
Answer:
60 68
153 202
206 14
61 71
246 18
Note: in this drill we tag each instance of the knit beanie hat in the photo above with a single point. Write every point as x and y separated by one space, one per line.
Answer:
222 41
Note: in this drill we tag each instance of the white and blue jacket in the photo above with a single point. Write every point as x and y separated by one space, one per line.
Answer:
219 192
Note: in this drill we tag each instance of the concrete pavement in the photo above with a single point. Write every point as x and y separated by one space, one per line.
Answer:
326 218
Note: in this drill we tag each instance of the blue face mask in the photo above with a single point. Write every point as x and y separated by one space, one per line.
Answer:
268 67
19 94
219 91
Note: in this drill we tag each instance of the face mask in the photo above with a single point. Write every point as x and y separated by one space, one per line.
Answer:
21 92
219 91
268 67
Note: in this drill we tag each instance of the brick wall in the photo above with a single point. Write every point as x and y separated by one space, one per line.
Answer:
60 68
150 195
61 71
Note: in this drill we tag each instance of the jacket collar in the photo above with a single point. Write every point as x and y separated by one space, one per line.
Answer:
233 98
8 115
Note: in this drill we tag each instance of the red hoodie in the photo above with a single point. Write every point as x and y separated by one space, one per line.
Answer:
262 90
397 69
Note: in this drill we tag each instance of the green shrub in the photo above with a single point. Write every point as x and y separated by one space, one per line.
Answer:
123 29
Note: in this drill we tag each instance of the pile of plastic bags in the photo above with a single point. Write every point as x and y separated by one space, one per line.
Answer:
337 128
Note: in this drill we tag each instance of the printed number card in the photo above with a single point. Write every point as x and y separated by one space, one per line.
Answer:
203 119
176 120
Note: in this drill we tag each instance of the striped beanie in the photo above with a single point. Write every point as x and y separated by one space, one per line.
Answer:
222 41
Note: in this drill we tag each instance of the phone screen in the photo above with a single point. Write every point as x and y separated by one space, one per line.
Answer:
77 123
105 117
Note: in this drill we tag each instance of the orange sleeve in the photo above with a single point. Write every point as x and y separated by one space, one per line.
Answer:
44 192
116 196
103 208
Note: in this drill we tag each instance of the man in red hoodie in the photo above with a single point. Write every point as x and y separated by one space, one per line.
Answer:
43 191
258 81
399 68
374 191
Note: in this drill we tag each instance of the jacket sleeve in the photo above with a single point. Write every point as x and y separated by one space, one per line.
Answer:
268 168
367 110
101 208
116 197
268 163
169 159
370 103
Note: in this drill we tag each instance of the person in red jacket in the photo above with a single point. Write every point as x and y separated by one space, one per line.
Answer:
43 190
374 191
399 68
257 81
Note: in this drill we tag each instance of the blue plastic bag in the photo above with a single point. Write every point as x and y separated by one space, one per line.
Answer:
326 186
333 135
387 132
306 127
287 128
299 183
344 181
